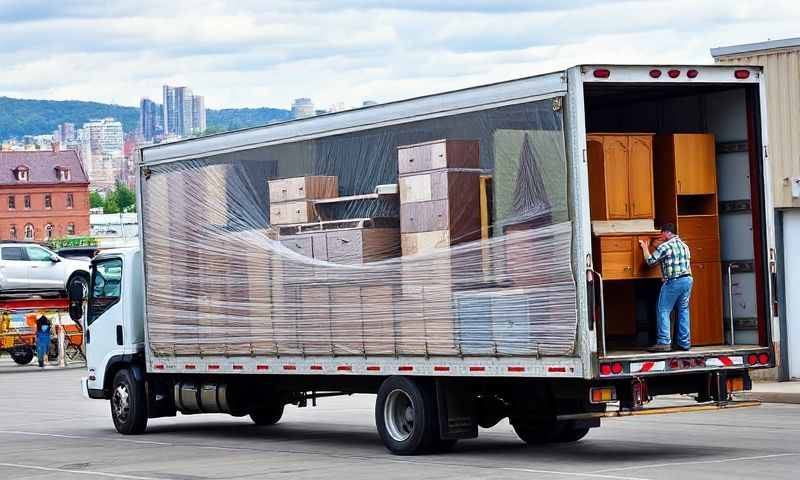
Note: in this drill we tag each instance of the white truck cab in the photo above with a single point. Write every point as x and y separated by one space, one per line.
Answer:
114 318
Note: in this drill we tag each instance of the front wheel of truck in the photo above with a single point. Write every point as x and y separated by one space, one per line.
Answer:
128 404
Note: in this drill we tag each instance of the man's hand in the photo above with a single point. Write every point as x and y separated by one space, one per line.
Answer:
645 247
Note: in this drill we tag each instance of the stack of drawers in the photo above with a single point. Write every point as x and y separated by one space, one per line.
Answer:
439 185
289 198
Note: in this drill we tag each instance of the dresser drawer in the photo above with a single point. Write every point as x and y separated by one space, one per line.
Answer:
302 188
291 212
437 155
698 227
299 244
345 246
703 249
424 216
617 265
616 244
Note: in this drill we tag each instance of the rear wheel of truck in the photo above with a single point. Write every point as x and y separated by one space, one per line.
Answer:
267 415
405 413
128 404
22 356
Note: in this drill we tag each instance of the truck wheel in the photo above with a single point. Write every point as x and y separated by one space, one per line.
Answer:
405 414
22 356
540 433
569 435
268 415
128 404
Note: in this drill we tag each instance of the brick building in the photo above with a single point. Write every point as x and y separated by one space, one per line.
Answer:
43 194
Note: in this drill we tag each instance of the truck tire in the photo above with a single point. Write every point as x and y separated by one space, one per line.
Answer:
267 415
79 278
540 433
22 356
405 414
128 404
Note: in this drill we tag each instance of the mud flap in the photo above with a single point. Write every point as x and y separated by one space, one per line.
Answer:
457 412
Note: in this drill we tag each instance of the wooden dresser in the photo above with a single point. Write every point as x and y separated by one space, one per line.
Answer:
289 198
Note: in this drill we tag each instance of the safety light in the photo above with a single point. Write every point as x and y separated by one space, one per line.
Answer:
752 359
616 368
763 358
735 384
692 73
605 369
655 73
674 73
603 394
602 73
742 74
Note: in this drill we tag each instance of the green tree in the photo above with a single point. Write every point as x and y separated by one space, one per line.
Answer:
126 199
96 200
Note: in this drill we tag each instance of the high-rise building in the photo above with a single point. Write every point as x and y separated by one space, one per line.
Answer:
198 114
148 118
170 115
105 135
302 108
180 117
67 131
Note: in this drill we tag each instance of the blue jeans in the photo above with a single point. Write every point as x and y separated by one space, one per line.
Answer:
674 294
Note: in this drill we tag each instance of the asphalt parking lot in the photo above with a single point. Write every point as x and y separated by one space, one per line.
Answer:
48 431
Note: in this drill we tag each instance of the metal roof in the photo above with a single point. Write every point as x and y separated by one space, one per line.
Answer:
755 47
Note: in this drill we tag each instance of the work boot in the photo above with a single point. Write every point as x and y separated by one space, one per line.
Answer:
660 347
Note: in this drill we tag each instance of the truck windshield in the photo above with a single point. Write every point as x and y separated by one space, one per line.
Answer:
105 289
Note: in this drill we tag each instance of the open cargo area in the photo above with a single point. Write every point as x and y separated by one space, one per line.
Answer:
685 155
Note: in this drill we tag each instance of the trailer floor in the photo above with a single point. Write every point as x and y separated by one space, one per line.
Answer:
49 432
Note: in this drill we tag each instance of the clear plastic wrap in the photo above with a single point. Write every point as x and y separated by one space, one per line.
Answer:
258 252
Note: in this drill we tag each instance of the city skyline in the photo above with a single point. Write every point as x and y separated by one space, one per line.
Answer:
250 54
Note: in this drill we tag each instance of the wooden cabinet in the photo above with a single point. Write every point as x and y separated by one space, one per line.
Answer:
620 176
302 188
438 154
287 213
621 258
695 163
346 245
705 304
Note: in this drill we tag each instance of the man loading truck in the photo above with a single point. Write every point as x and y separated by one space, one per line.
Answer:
674 258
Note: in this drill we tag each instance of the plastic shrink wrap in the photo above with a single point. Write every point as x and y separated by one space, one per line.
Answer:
288 249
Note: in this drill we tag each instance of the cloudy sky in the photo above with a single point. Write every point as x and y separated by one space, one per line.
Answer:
242 53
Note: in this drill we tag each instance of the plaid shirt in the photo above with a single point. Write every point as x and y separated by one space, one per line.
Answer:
673 256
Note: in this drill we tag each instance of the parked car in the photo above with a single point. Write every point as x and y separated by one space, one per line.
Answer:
32 268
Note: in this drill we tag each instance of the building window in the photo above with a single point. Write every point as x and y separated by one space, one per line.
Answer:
70 228
12 202
21 173
70 200
13 232
27 201
28 231
63 174
48 231
48 200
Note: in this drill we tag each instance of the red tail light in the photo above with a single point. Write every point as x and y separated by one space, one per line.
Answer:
605 369
616 368
602 73
741 74
752 359
674 73
692 73
655 73
763 358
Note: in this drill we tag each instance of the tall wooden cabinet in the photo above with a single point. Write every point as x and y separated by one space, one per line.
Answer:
620 176
686 195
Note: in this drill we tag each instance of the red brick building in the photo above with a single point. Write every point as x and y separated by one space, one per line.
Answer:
43 194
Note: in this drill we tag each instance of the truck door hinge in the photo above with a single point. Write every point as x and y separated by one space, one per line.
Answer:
146 172
557 103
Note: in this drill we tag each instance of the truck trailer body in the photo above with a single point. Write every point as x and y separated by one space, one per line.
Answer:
446 253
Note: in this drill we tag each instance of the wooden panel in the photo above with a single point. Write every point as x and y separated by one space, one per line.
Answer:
346 322
616 244
380 243
664 185
640 180
703 249
345 246
424 242
640 267
415 188
302 188
299 244
615 152
597 185
486 191
464 194
695 163
620 300
413 159
617 265
705 305
698 227
291 212
438 154
377 313
314 324
424 216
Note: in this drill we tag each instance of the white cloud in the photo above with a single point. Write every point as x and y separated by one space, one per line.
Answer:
255 53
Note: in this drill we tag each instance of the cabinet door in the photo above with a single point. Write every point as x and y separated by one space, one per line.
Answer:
705 304
640 180
695 163
615 152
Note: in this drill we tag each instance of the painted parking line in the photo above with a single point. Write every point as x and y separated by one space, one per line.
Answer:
80 472
698 462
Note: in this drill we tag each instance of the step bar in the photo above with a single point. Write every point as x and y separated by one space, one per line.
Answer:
704 407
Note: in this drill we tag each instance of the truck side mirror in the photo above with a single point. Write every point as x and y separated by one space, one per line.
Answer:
75 301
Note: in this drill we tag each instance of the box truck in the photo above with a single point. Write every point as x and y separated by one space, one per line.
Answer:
467 256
